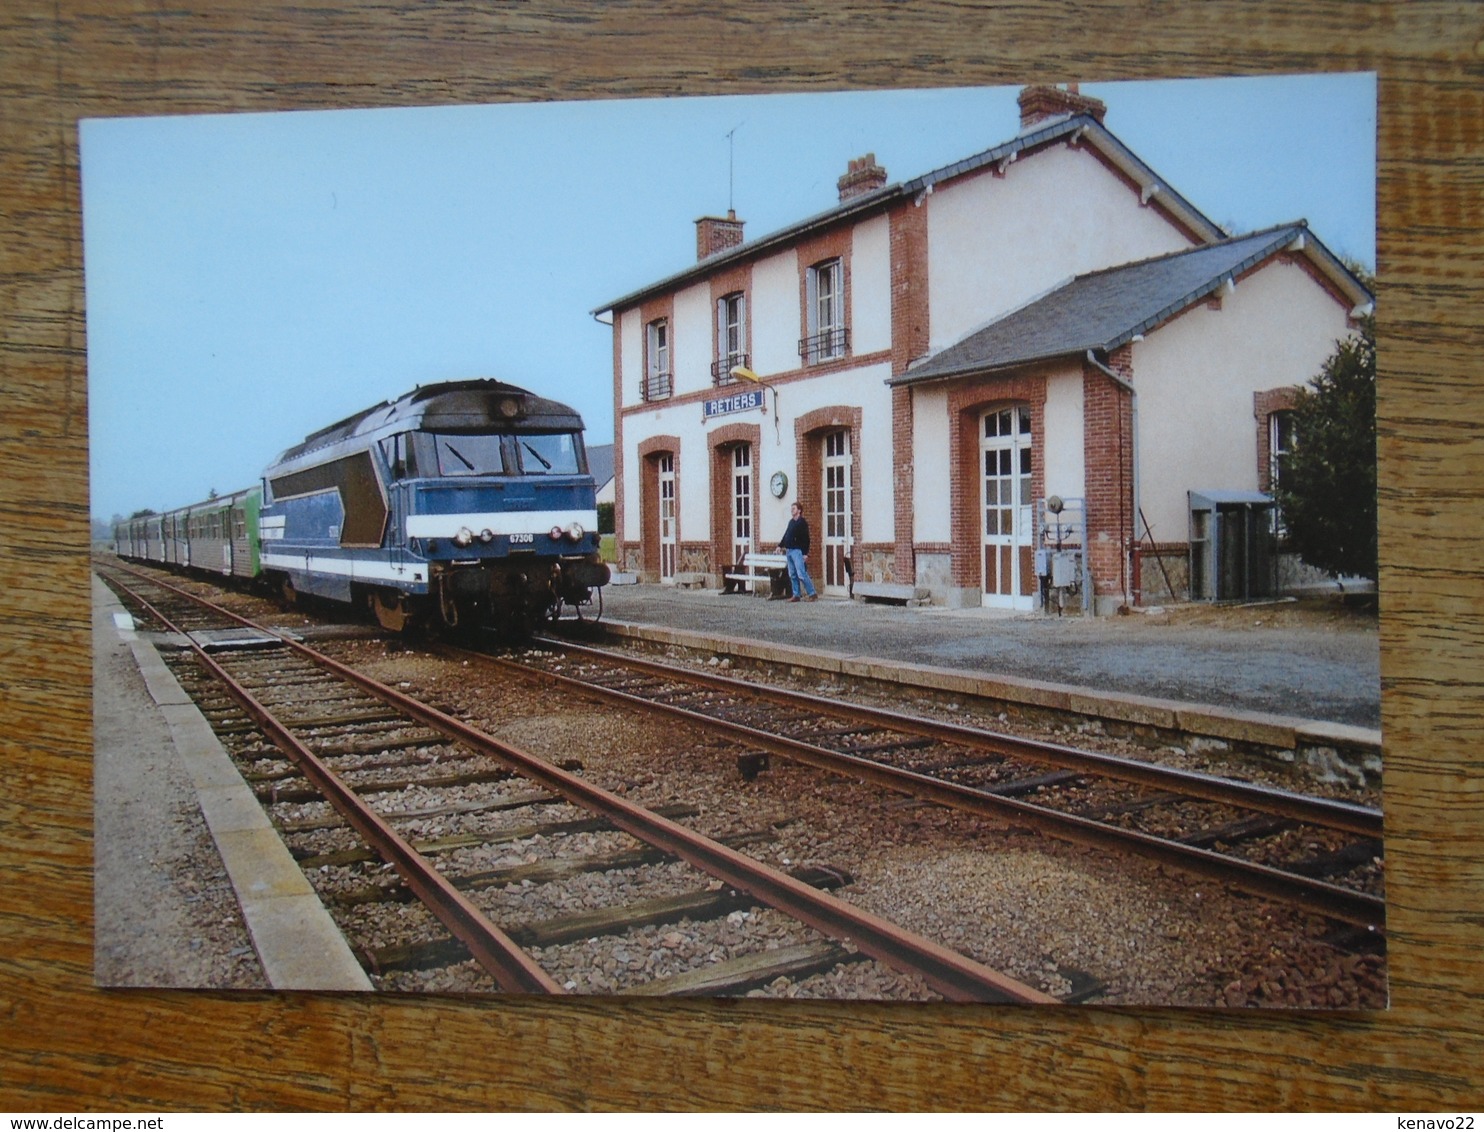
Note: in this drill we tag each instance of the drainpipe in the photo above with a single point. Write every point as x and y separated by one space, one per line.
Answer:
1134 455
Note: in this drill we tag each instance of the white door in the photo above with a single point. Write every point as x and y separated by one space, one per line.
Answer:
835 550
741 502
1008 523
667 517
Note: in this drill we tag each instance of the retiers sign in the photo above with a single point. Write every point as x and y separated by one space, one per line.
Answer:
736 403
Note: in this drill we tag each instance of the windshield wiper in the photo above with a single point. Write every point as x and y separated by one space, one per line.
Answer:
459 454
545 463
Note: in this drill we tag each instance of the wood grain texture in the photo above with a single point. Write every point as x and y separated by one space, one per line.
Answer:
65 1045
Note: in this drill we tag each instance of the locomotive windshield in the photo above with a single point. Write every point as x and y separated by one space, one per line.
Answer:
456 454
469 454
549 454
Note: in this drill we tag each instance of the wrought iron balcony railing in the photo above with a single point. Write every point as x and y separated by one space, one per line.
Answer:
658 386
721 369
825 346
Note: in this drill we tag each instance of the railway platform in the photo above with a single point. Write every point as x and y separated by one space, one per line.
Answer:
169 803
1295 662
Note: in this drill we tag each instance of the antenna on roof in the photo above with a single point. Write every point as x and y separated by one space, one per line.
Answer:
731 149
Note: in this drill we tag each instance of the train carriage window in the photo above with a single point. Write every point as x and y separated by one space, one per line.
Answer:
550 454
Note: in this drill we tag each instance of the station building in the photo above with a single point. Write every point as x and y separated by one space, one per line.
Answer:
1037 365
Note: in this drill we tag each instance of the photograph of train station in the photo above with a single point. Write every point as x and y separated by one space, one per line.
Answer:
959 585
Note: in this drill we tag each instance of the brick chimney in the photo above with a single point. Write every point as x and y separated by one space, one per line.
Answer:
862 176
1038 103
714 234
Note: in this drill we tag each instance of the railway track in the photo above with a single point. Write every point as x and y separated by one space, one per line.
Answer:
1319 854
314 736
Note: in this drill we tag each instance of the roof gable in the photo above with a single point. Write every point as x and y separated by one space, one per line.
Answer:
1103 310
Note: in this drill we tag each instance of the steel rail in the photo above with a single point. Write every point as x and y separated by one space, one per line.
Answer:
512 969
1347 817
1357 908
955 976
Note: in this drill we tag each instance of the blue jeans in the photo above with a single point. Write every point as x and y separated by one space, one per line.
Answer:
798 574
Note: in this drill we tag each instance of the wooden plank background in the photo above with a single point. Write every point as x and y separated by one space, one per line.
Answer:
65 1045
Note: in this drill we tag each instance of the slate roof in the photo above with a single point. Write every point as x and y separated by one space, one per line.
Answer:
600 463
1105 309
1080 126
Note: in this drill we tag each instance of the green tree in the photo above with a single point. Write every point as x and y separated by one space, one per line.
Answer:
1329 503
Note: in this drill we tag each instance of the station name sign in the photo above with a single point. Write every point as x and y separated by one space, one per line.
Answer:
736 403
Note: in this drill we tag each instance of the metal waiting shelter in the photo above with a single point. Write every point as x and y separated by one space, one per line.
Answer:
1232 555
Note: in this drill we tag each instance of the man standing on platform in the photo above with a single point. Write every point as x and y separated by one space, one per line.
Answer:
795 547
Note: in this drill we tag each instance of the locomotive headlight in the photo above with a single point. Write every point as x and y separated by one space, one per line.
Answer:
575 532
556 533
486 535
464 537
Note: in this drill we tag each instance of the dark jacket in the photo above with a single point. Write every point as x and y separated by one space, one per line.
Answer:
797 535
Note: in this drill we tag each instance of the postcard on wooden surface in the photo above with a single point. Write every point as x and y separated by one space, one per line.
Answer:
455 473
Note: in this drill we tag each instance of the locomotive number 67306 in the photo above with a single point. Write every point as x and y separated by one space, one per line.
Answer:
422 508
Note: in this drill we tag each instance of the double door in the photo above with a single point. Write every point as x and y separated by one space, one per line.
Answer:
837 538
1008 521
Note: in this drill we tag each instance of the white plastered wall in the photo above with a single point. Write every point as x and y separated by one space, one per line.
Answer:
1196 376
931 443
692 339
870 286
630 356
996 242
775 314
1063 448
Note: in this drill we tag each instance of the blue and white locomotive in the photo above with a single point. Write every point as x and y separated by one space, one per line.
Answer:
465 504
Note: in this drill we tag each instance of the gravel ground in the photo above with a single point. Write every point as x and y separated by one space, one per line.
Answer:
1057 917
1315 658
1054 916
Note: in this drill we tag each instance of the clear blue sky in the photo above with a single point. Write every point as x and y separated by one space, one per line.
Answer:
253 277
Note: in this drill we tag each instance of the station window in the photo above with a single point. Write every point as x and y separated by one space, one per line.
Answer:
731 337
657 376
827 336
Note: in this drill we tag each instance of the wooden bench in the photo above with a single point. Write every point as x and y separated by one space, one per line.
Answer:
755 569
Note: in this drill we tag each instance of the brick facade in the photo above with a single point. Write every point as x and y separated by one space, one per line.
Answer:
810 430
620 543
812 251
1264 405
661 308
1108 445
1038 103
968 401
650 451
951 557
717 234
909 338
862 176
723 443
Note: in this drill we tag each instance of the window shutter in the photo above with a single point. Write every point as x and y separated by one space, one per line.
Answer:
811 307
